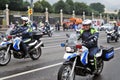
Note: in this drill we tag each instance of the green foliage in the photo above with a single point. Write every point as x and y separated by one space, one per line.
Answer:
97 7
69 6
2 4
58 6
40 6
81 7
25 6
15 4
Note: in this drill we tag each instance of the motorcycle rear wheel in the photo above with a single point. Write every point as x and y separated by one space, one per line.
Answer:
64 73
35 55
4 58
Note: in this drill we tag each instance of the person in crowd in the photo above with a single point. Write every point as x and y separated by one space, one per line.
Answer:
57 26
116 29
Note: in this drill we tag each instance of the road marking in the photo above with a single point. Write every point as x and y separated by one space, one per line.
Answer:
38 69
117 48
52 46
34 70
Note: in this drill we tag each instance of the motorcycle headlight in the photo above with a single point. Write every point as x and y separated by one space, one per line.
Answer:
4 39
69 49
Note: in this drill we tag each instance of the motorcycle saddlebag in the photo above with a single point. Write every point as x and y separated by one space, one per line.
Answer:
107 54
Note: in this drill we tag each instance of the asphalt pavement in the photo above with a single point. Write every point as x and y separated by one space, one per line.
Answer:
46 68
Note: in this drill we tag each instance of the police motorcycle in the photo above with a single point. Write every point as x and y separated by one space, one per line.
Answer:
46 30
77 62
112 36
12 44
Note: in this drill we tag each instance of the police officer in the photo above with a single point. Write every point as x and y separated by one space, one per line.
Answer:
91 43
25 31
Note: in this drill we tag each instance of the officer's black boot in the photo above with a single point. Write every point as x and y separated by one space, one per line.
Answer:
92 65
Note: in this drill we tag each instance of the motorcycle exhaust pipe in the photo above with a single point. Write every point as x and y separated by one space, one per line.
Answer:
40 44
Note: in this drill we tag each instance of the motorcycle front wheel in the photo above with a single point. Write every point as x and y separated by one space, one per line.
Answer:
116 39
36 54
108 40
4 57
50 34
64 73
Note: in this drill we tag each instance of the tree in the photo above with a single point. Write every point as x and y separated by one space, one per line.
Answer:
119 12
25 6
58 6
69 6
15 5
97 7
2 4
40 6
80 7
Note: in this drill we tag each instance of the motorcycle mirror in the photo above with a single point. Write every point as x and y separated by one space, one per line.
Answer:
62 44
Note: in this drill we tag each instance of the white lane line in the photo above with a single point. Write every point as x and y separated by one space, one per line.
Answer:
117 48
34 70
51 46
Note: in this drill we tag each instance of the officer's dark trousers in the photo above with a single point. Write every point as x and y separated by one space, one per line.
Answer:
93 51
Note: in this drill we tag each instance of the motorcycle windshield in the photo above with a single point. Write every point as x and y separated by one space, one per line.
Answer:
72 40
8 31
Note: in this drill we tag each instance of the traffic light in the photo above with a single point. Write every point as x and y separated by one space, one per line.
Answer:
30 12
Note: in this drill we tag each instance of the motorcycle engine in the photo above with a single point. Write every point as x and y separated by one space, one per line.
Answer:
18 55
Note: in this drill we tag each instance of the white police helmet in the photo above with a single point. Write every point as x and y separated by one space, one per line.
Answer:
87 22
26 19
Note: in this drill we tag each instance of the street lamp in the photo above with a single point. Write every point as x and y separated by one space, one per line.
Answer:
46 14
100 16
118 18
92 15
61 16
7 15
31 6
83 15
28 12
108 18
73 13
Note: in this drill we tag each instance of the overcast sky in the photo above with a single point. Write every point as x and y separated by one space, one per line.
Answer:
109 4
